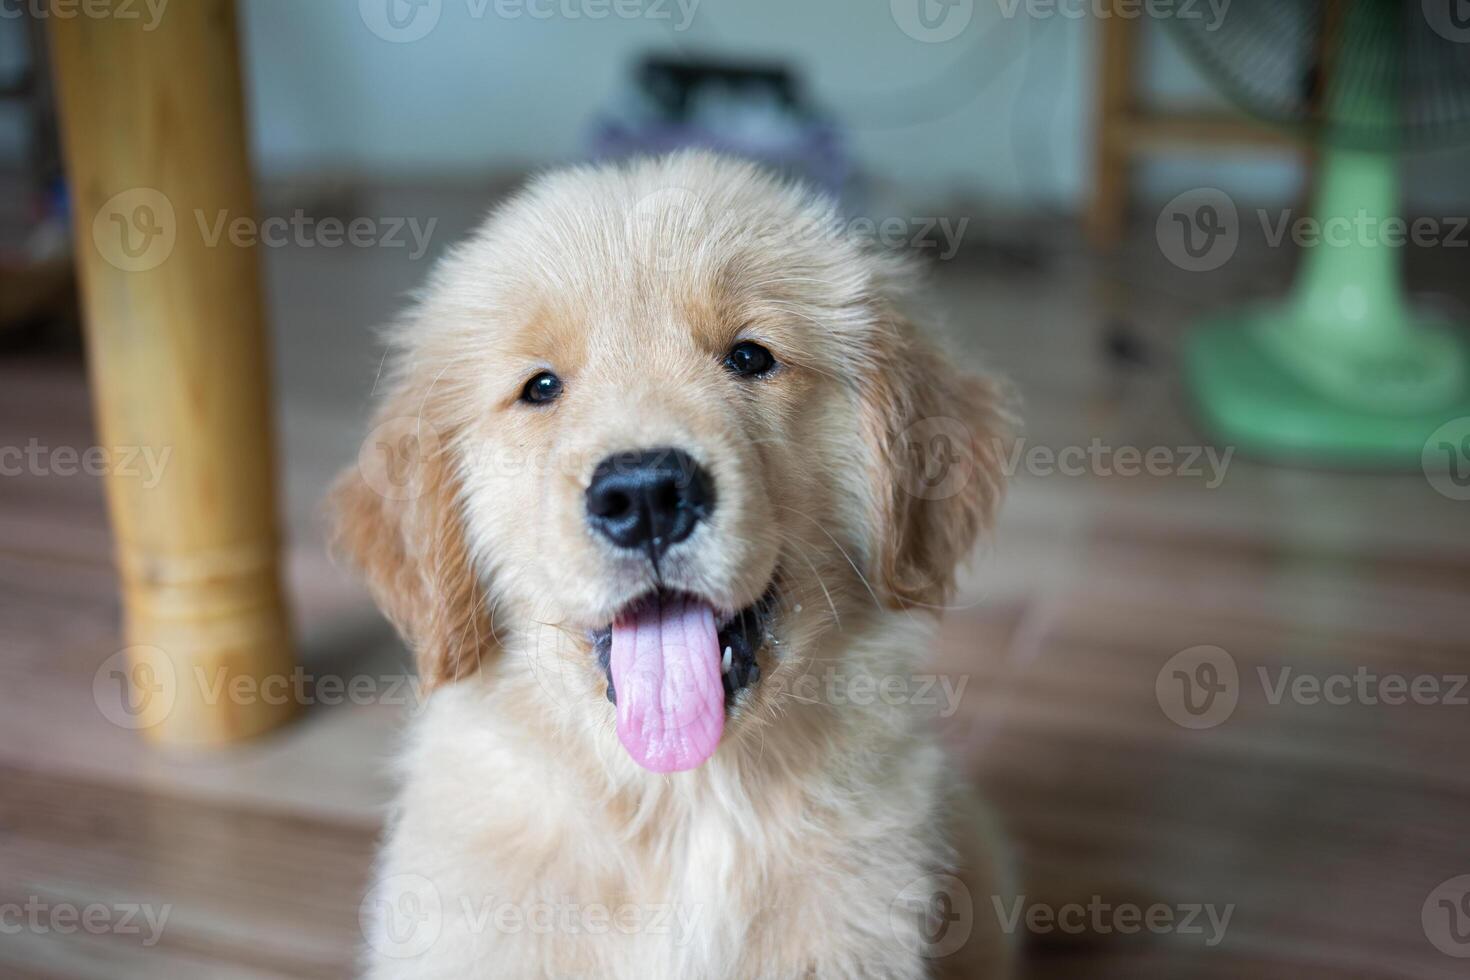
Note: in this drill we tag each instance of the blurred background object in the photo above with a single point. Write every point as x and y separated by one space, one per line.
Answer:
1344 369
36 290
1051 162
744 109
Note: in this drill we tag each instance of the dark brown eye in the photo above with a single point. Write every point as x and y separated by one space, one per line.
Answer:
544 387
749 359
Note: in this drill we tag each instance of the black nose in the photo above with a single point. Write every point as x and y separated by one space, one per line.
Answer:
650 499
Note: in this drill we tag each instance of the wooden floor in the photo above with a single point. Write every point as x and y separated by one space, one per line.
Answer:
1322 828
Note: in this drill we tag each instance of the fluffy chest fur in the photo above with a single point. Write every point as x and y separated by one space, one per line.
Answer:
534 850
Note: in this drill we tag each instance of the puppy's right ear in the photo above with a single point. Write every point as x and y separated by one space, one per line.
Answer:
938 436
397 516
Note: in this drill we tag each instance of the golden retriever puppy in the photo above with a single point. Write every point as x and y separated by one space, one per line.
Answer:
667 479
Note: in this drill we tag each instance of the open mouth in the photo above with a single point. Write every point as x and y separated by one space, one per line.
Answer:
674 668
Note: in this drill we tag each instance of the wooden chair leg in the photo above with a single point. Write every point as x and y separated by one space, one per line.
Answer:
1109 205
153 126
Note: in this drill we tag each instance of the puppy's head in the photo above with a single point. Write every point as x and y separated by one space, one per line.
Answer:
665 424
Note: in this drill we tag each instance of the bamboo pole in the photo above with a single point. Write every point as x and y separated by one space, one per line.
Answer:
153 125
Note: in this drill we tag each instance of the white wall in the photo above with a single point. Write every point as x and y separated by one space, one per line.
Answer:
1001 111
998 110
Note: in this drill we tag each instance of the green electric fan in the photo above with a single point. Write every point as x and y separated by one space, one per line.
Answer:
1343 370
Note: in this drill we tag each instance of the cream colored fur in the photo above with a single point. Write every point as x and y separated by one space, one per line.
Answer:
525 842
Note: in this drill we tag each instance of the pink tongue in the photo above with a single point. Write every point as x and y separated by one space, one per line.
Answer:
666 671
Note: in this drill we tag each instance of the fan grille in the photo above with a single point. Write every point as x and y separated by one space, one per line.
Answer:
1371 74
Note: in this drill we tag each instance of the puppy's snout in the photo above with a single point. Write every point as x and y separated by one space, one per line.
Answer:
649 499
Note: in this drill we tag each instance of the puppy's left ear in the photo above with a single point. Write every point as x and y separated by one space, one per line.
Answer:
939 439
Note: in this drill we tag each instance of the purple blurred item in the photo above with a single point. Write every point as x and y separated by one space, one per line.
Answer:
748 110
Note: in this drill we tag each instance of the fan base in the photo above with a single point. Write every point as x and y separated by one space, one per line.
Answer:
1250 398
